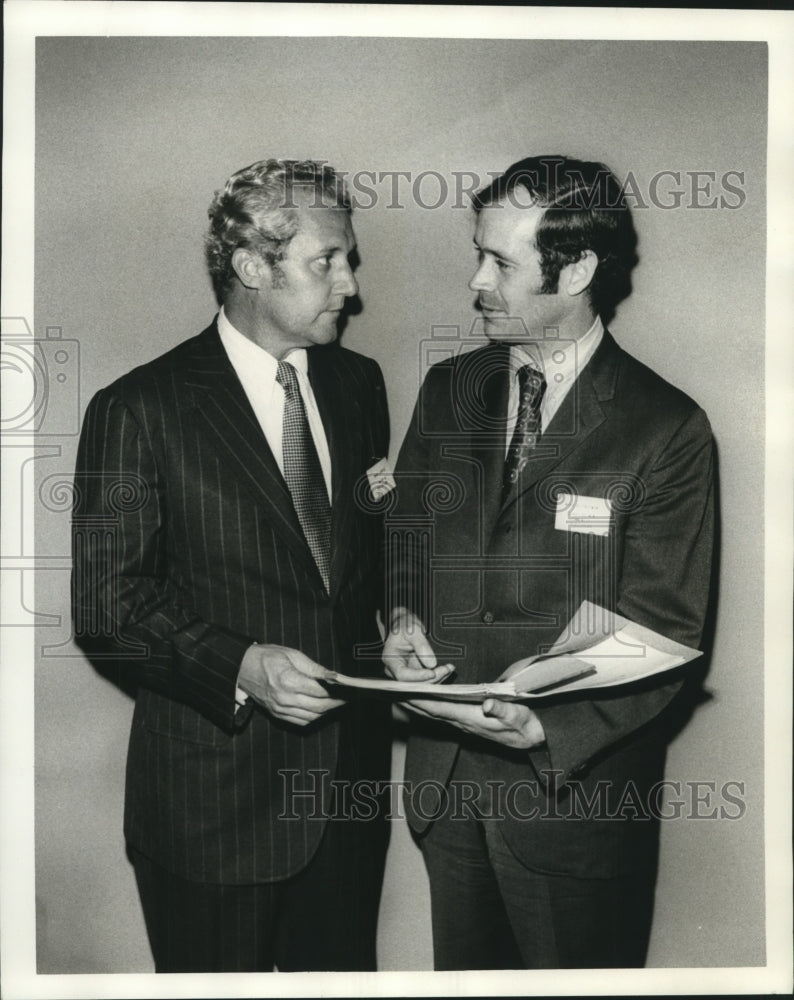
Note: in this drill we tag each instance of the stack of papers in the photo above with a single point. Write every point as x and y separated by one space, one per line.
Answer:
598 649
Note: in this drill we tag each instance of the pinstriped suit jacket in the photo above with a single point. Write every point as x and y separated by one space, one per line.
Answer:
187 549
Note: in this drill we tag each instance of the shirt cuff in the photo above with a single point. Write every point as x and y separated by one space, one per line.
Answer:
240 696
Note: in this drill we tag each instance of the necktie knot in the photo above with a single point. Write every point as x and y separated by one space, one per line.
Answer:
531 387
287 377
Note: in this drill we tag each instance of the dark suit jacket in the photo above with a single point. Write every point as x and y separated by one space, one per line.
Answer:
500 582
187 549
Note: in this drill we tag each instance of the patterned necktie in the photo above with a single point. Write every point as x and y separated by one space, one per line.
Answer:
531 389
303 473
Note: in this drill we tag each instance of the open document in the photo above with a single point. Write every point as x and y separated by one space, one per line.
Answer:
597 649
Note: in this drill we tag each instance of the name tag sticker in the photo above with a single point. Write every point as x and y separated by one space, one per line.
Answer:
586 515
381 481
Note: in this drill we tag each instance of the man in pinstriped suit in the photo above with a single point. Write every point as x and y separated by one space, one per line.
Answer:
198 565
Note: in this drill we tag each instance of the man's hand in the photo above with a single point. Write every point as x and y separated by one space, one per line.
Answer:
507 722
407 655
284 681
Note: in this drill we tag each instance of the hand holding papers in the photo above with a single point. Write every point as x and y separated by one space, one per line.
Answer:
598 649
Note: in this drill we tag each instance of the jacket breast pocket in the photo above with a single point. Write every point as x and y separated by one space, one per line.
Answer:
165 717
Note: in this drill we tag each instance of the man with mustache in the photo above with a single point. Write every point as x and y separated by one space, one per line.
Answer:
542 858
221 556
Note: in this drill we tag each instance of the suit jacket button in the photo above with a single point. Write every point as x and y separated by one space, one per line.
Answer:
488 618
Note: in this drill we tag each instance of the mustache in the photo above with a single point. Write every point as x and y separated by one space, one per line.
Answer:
488 304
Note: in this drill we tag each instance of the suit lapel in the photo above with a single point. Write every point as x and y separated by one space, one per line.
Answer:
343 434
480 400
222 409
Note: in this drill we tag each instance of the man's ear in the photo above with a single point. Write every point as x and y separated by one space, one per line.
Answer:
249 267
579 275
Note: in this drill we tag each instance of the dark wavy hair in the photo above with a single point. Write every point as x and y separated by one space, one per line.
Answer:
256 210
585 210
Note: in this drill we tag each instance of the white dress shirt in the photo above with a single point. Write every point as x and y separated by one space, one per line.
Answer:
256 369
560 361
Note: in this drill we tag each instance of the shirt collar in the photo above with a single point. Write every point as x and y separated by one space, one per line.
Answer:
243 352
560 362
